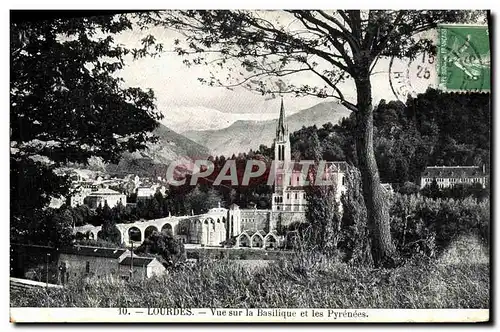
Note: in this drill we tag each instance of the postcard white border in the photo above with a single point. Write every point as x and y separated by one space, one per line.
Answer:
272 315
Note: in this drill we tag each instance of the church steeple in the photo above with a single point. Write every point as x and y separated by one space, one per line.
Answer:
281 130
282 140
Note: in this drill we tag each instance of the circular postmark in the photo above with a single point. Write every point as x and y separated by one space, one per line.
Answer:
409 78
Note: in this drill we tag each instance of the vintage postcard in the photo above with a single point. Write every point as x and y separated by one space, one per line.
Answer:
288 166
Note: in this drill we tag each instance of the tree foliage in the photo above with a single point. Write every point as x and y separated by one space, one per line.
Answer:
324 218
67 104
165 246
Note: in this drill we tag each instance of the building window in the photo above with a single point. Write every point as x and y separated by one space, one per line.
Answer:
296 196
87 267
287 196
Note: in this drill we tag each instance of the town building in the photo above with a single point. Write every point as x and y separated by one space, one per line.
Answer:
81 261
105 196
140 268
145 193
78 196
448 176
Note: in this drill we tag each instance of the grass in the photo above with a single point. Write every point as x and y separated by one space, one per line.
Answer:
300 281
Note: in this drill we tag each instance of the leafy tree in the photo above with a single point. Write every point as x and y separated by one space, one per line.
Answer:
354 242
53 228
432 190
106 213
409 188
200 201
109 232
119 213
82 215
153 209
323 215
67 104
334 46
165 246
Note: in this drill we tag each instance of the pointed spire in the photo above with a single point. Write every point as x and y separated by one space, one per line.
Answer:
280 130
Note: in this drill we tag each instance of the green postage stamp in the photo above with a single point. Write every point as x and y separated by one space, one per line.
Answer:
464 58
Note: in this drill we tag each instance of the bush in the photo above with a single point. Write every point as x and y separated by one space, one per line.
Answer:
164 246
408 188
426 226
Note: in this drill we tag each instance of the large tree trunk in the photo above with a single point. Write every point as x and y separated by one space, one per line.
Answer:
382 248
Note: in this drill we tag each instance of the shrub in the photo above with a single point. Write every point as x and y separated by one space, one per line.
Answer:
165 246
422 225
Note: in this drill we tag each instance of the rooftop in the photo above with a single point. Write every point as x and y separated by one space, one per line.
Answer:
137 261
94 251
105 192
453 171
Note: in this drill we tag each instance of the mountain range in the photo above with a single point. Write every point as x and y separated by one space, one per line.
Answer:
182 119
240 136
154 160
244 135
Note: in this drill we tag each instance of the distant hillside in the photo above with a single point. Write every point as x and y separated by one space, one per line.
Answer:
154 161
203 118
242 136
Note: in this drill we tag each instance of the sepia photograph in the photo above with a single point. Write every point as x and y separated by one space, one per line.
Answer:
277 166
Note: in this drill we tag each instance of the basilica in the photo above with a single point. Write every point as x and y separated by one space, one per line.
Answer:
236 227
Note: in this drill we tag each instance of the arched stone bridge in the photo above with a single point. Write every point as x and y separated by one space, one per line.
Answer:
133 232
207 229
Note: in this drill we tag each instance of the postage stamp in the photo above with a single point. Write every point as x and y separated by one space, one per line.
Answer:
464 58
211 166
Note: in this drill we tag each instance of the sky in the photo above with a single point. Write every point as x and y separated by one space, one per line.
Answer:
183 99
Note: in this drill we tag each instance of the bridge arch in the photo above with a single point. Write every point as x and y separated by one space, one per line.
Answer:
134 234
149 230
167 227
